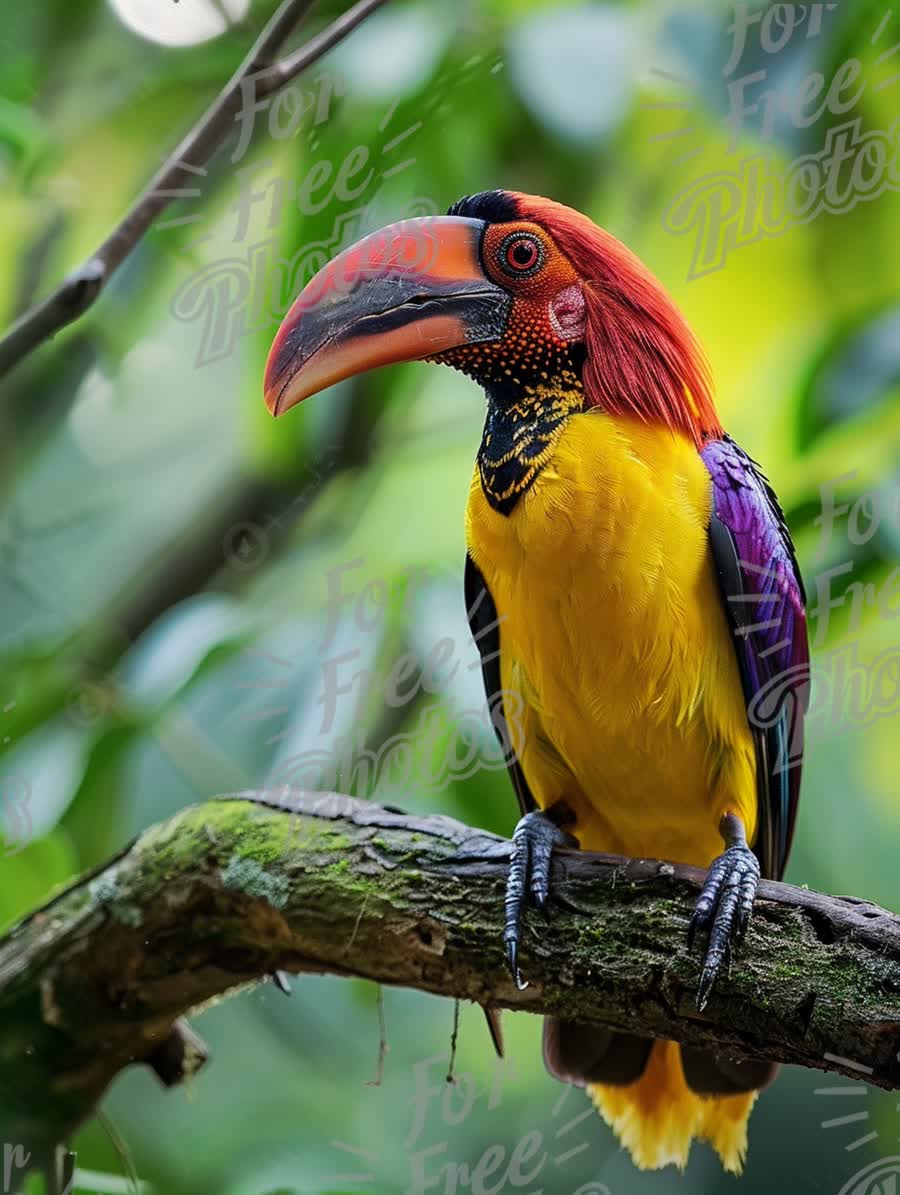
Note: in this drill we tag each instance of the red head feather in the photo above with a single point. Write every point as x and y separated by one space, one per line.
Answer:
642 357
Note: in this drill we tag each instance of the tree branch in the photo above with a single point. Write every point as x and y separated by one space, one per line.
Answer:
282 72
80 290
229 891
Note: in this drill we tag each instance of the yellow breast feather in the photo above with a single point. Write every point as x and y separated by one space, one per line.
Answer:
625 693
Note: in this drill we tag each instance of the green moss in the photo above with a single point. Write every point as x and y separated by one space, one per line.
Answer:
246 842
345 879
337 841
310 832
254 832
104 890
247 876
264 843
217 828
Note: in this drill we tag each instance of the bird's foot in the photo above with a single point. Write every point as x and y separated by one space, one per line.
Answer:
534 838
725 904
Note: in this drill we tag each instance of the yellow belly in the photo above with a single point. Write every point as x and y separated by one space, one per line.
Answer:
623 692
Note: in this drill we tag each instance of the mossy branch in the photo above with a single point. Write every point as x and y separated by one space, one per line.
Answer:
228 892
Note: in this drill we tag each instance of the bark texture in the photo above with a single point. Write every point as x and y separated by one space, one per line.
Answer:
227 892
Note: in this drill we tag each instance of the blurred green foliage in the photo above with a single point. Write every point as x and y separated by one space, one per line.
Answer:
169 554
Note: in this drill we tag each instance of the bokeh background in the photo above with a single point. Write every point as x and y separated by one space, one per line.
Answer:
168 550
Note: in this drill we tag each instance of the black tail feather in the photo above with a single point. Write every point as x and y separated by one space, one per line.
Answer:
580 1053
713 1074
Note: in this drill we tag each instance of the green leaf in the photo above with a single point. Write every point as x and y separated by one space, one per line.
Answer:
32 871
857 369
92 818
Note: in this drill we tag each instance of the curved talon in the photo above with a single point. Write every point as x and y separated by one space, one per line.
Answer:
511 949
534 838
281 981
724 907
511 946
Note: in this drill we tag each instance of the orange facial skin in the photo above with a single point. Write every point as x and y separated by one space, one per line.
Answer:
546 315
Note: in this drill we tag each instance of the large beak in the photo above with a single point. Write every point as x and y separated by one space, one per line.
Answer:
409 291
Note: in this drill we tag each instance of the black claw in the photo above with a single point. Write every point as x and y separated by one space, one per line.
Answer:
281 981
539 894
724 908
511 946
511 949
534 838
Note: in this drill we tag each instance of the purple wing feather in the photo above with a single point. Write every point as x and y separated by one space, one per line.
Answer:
764 598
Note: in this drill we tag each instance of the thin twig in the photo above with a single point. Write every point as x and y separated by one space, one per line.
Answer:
68 1172
291 66
382 1042
81 289
120 1145
454 1037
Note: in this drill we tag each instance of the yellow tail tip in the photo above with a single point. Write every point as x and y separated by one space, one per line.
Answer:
657 1118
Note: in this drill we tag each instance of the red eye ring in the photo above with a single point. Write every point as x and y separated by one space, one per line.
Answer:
521 254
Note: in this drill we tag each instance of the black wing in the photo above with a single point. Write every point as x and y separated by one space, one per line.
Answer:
485 627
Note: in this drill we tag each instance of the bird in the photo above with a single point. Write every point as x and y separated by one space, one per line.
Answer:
631 584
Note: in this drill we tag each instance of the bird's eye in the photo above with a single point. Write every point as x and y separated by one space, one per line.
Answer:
521 254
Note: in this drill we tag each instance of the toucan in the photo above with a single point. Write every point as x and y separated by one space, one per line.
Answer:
632 587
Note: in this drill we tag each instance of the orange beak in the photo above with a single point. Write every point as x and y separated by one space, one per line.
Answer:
409 291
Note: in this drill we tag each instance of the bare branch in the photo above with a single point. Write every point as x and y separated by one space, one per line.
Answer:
288 68
80 290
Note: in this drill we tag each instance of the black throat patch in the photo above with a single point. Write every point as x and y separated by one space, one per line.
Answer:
523 424
528 403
